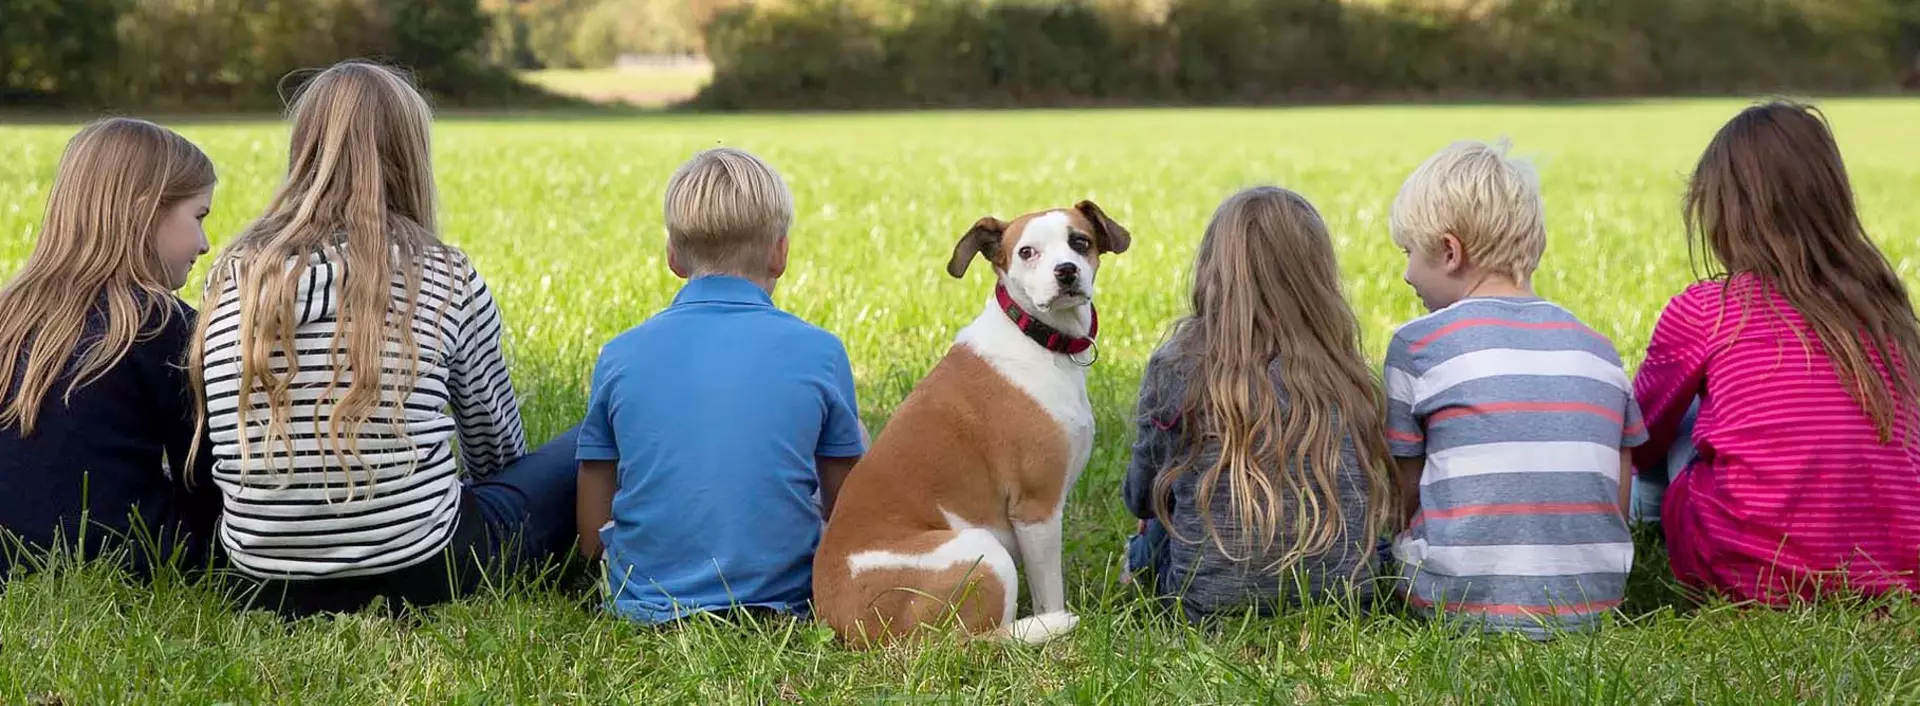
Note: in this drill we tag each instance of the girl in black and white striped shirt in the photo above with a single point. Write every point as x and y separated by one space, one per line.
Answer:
340 473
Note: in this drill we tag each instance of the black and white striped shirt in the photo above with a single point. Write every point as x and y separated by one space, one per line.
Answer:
324 520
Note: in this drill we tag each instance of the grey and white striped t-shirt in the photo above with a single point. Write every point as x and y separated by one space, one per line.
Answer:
1520 411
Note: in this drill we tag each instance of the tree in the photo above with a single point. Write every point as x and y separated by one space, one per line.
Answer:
616 27
57 49
428 33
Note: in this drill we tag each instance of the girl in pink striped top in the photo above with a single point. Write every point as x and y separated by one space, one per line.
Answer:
1803 476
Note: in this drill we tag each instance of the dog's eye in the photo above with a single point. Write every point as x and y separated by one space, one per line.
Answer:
1080 243
1027 253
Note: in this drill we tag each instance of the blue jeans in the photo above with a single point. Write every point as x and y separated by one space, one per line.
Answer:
517 519
529 506
1148 558
1650 484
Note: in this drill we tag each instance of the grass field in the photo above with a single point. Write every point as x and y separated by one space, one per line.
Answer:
564 218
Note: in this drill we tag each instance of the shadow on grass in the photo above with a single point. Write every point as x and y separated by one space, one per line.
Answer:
1651 586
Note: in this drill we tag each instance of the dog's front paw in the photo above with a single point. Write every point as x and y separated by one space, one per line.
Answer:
1040 629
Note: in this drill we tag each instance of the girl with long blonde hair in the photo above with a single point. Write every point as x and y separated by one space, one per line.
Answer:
96 418
346 351
1260 471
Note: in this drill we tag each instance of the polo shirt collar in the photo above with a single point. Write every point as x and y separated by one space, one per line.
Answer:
722 289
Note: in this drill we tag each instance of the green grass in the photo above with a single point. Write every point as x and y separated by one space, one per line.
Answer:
564 219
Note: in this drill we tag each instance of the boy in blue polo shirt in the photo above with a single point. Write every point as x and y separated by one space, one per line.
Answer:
717 432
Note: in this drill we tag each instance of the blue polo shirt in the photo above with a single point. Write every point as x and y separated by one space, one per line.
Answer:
716 409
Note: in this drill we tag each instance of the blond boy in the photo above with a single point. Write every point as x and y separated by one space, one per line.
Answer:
718 431
1508 417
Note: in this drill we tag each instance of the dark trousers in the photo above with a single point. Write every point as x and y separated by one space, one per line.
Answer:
520 518
1149 558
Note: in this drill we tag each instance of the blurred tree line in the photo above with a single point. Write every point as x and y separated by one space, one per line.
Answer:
902 53
237 54
221 54
566 34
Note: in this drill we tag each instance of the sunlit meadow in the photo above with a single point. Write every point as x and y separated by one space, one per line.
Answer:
563 216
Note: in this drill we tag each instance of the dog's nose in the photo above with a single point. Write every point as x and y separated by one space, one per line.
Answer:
1065 272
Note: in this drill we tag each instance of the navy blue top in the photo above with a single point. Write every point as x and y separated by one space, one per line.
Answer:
107 452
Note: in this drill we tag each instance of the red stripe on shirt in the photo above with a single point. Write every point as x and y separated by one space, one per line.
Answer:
1501 407
1518 609
1498 509
1502 323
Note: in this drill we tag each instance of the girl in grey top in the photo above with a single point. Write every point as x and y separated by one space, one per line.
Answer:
1260 468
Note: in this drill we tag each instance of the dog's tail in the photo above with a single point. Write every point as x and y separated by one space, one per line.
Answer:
1038 629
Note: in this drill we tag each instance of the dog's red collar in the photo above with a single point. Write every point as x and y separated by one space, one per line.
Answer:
1048 337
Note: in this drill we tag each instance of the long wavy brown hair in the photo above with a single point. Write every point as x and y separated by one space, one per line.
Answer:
94 257
359 188
1266 288
1771 198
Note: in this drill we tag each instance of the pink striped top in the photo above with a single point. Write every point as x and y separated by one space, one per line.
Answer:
1791 493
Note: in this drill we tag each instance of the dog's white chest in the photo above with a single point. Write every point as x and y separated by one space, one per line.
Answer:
1054 381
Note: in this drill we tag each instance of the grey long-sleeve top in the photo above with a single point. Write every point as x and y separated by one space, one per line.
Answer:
1205 577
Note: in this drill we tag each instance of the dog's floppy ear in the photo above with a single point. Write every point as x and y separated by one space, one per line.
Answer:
1110 236
983 239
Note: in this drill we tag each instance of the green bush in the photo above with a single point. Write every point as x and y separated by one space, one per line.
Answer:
549 27
567 34
238 54
616 27
1248 49
1007 53
813 52
844 53
240 51
432 34
55 51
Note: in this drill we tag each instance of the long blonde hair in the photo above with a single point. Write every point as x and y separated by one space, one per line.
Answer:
1266 289
94 257
359 180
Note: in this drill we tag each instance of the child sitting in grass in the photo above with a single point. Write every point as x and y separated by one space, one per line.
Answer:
1508 416
1800 474
96 418
712 426
365 430
1260 470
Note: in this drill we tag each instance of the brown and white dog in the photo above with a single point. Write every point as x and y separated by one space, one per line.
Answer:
969 477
